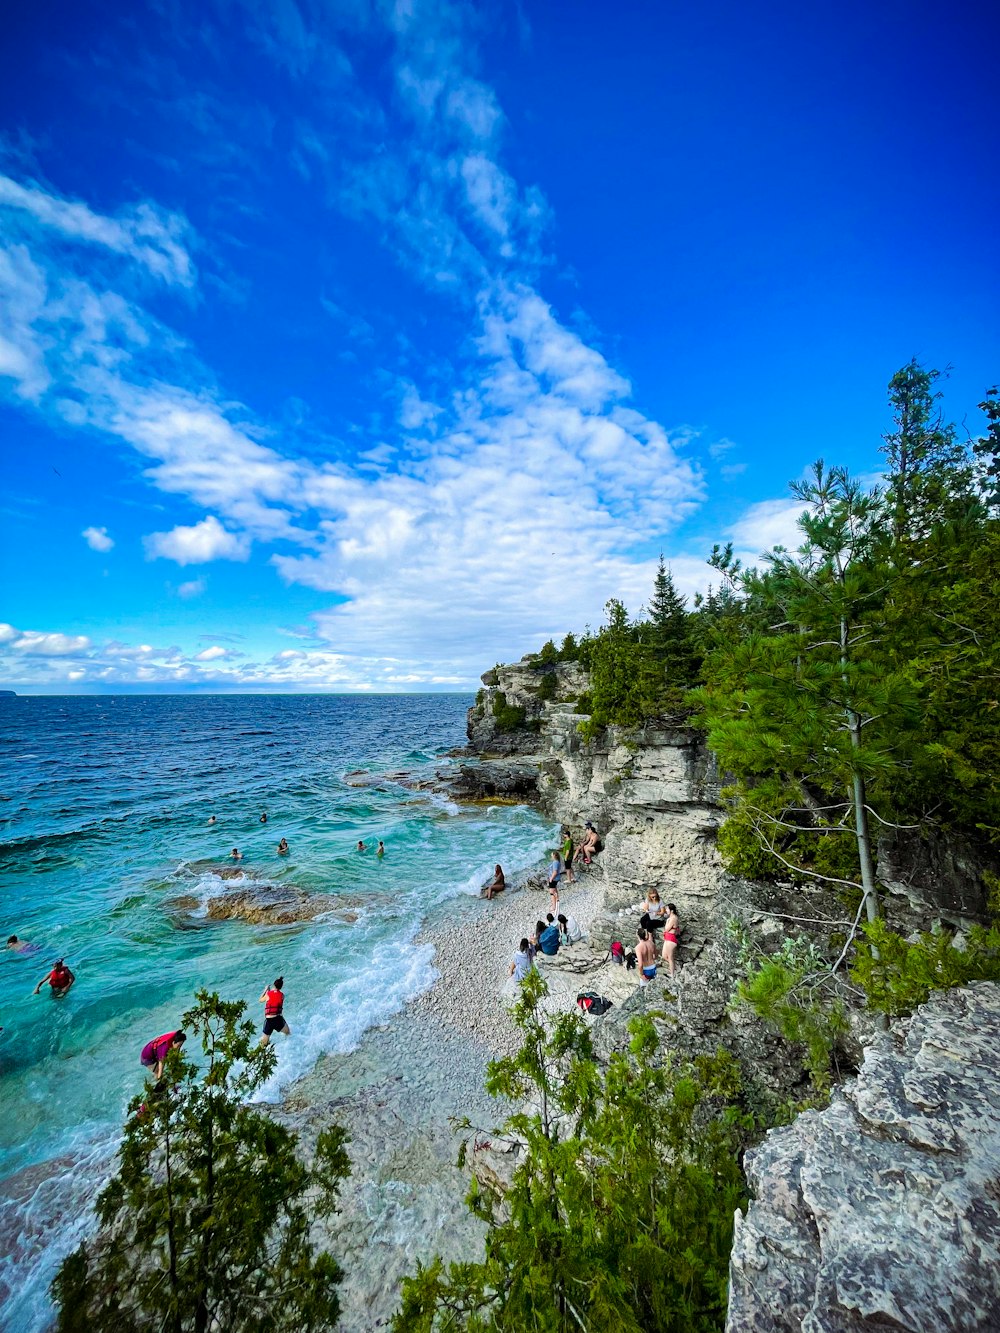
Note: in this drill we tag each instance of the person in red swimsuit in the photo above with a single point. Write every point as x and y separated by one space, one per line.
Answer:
154 1053
671 929
60 979
273 1001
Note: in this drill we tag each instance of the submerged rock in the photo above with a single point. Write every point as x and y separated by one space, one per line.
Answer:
882 1212
269 905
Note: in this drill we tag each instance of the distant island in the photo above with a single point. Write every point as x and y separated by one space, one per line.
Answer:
8 694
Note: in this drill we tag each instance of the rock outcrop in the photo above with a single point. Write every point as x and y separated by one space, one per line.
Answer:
266 905
881 1214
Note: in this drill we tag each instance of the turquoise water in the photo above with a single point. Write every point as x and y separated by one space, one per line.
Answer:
104 809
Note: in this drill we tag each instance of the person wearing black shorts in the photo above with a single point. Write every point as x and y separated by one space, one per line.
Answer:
273 1000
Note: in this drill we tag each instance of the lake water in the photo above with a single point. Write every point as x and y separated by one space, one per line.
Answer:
104 809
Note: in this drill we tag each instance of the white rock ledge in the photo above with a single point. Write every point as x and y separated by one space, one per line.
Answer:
881 1214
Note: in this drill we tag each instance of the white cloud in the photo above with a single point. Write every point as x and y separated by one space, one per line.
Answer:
198 544
766 524
212 654
97 539
36 644
194 588
149 235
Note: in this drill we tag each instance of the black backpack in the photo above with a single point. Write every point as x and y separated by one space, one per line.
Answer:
592 1003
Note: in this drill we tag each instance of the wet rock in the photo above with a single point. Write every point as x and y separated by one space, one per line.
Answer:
269 905
882 1212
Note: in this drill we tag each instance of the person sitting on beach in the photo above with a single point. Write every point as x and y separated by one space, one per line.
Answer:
273 1001
380 849
497 884
671 930
645 957
566 851
283 847
154 1053
539 931
570 928
361 846
555 875
548 939
60 979
523 962
236 854
263 816
653 912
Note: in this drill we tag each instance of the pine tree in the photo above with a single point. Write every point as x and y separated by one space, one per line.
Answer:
205 1226
929 472
668 634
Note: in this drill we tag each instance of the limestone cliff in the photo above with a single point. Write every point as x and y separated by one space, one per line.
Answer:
881 1213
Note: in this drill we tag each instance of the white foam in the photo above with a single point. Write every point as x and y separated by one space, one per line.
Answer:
391 975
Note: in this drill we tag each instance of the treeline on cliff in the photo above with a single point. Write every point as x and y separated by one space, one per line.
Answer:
856 678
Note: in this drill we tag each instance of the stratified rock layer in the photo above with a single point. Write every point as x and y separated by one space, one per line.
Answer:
882 1212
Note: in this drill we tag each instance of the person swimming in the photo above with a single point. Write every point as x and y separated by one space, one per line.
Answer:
21 946
236 854
361 846
211 819
263 816
283 847
60 979
380 850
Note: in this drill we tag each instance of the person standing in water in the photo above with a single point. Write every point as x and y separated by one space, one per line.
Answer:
60 979
154 1053
361 845
236 854
273 1000
283 847
380 850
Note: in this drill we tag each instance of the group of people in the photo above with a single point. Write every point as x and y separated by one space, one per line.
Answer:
656 915
236 855
547 937
364 847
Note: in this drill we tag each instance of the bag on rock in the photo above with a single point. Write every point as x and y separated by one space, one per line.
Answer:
592 1003
630 960
618 952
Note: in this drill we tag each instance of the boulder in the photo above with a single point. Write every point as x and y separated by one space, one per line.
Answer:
882 1212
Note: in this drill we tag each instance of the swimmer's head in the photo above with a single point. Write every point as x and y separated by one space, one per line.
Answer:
279 982
12 940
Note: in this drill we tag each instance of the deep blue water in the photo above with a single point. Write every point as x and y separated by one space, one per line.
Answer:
104 809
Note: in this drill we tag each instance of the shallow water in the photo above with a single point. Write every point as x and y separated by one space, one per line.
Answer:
104 808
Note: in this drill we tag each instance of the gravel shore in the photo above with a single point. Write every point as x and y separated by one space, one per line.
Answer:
475 945
398 1093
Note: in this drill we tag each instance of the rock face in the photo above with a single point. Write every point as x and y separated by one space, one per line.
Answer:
881 1214
268 905
939 876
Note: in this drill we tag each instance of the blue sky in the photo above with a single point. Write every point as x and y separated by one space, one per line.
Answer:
361 345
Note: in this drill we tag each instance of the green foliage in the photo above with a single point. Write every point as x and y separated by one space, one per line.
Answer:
786 990
205 1226
668 633
548 655
899 974
619 1214
569 650
987 450
506 716
548 686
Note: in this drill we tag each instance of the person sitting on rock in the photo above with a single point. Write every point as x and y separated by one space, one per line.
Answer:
590 845
671 931
653 912
645 957
570 928
497 884
523 962
548 939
